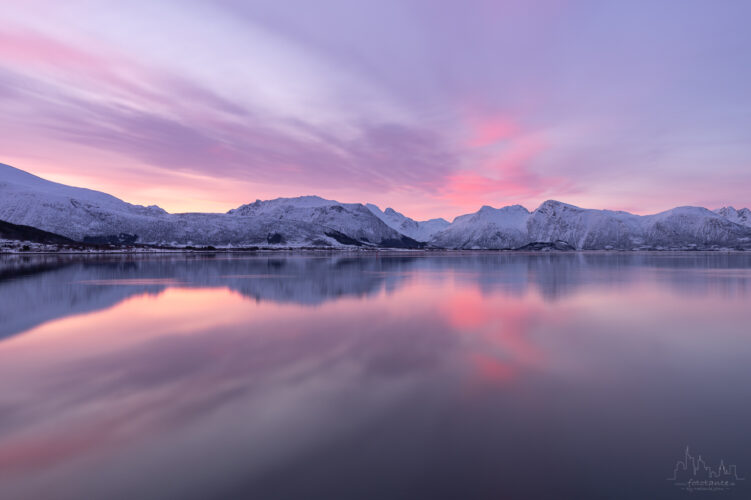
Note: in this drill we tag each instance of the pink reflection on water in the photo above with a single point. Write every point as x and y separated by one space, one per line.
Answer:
84 369
500 327
210 362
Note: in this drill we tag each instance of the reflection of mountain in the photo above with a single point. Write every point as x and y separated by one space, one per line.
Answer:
202 380
39 289
35 289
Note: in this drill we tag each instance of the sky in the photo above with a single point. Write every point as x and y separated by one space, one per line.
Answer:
433 108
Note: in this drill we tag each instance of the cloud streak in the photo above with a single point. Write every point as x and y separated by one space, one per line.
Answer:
436 110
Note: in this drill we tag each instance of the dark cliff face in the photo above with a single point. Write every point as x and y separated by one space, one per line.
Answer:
403 242
112 239
19 232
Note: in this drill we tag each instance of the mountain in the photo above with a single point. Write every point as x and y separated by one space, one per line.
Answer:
353 220
588 229
742 216
92 216
19 232
487 228
417 230
95 217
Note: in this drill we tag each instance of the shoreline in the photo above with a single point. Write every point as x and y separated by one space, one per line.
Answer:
362 251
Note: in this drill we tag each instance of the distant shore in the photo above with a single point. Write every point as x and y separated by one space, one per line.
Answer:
342 250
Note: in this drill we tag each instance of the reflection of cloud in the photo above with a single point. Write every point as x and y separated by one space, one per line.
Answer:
492 370
472 352
205 353
51 286
501 327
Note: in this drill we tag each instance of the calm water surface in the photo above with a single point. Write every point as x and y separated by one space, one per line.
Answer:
395 377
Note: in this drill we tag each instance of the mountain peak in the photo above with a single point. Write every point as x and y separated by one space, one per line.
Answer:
79 213
17 176
307 201
19 181
742 216
687 210
553 205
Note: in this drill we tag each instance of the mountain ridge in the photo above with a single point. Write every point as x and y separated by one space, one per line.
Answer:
81 214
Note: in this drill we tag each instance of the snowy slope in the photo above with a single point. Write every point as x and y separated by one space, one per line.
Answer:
582 228
742 216
86 215
351 219
82 214
33 201
588 229
487 228
418 230
696 225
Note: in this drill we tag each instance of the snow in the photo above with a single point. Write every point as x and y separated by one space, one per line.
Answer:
16 181
417 230
590 229
487 228
285 222
742 216
314 221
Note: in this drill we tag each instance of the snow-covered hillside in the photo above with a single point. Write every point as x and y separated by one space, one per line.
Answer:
742 216
418 230
86 215
487 228
587 229
351 219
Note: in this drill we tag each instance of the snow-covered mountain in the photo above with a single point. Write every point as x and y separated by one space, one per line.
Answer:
86 215
487 228
351 219
587 229
417 230
742 216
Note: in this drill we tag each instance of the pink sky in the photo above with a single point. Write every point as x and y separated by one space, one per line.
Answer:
432 110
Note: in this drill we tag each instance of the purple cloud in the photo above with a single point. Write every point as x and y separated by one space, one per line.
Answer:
439 107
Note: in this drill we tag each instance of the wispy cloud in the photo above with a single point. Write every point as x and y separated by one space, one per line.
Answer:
441 108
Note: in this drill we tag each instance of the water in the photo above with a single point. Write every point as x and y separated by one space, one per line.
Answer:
404 376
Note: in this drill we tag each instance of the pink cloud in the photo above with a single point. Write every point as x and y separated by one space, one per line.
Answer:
492 370
30 48
29 52
488 131
458 92
150 117
506 174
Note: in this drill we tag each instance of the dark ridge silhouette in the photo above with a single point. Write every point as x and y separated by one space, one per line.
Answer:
542 246
19 232
343 238
112 239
